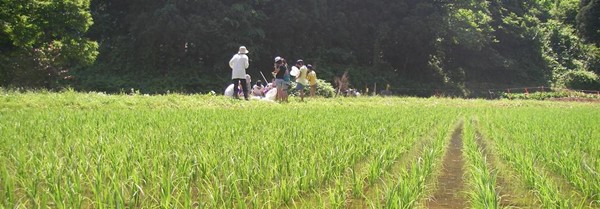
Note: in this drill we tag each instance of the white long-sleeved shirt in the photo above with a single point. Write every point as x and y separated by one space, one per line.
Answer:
239 63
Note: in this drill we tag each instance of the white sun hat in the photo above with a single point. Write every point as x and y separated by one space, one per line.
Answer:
243 50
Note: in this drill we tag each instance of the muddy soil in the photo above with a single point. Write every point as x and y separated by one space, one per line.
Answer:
449 192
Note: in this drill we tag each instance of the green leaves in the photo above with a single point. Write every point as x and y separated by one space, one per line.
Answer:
405 43
45 38
32 23
588 20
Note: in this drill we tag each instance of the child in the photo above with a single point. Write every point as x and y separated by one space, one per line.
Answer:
312 79
257 89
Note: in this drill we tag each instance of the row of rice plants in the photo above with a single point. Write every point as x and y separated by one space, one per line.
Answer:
364 173
204 157
381 180
481 180
410 188
391 132
559 141
161 160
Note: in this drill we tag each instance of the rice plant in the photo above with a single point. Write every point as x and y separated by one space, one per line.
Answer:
91 150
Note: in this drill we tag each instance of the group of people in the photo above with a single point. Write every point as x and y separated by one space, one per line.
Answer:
305 77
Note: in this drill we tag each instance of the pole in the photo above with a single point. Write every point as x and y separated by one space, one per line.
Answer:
264 77
375 90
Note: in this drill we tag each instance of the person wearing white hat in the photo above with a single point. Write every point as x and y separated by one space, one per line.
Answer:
239 63
281 84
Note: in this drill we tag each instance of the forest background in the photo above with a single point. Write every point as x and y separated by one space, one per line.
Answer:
417 47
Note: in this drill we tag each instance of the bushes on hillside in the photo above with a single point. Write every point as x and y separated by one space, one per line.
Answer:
549 95
580 79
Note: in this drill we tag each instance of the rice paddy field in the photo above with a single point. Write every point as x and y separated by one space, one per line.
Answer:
91 150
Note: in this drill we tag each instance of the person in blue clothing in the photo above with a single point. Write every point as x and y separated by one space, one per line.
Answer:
287 81
281 74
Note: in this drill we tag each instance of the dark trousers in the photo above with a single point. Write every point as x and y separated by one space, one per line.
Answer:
237 82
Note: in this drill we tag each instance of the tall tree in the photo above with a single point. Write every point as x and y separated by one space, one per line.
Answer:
588 20
42 41
160 45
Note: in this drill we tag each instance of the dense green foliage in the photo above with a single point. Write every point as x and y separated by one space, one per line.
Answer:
581 80
588 20
157 46
551 95
42 42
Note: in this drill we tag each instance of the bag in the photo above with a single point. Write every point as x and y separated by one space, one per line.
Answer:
295 71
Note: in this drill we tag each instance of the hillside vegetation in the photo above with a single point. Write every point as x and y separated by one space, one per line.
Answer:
461 47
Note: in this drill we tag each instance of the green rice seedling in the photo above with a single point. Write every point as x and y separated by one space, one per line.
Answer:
481 180
337 195
402 194
376 168
540 147
411 185
357 184
8 189
79 150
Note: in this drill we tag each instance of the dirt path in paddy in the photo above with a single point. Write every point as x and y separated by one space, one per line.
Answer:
449 192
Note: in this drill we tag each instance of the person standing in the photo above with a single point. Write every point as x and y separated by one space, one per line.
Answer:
312 79
279 72
239 63
249 83
287 80
301 80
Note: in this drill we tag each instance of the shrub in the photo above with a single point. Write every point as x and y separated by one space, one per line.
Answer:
324 89
580 79
549 95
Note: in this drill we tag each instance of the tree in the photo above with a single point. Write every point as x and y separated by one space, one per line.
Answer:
42 41
181 45
588 20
